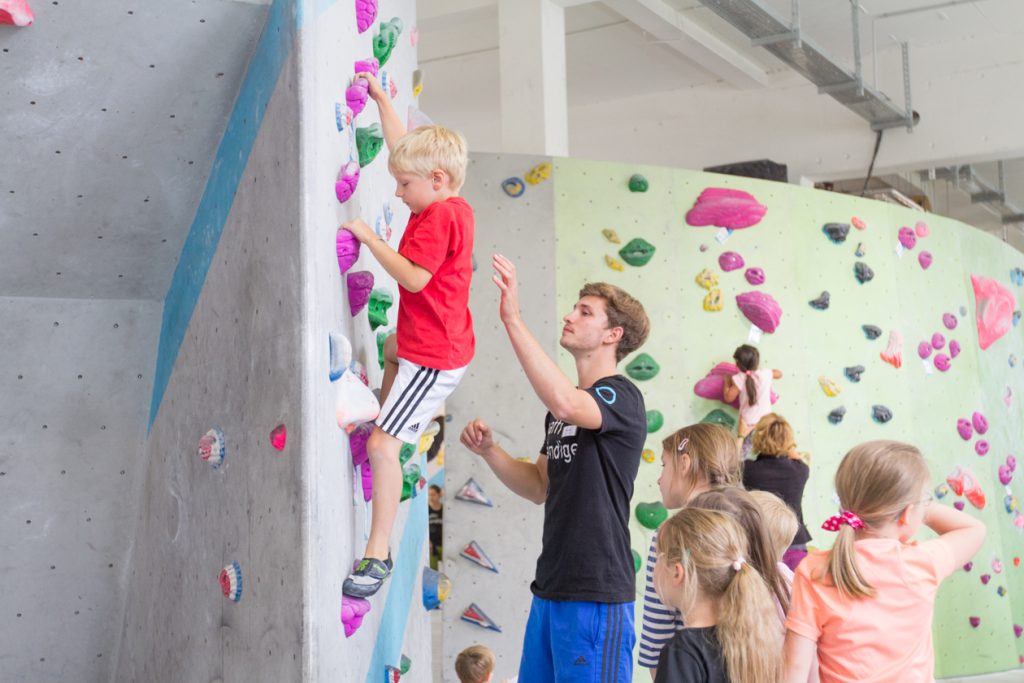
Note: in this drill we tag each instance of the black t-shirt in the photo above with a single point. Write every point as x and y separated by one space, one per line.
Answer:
786 478
586 554
694 655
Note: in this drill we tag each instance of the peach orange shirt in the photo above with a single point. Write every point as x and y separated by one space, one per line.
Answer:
880 639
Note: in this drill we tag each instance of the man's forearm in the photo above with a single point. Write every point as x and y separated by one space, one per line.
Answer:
522 478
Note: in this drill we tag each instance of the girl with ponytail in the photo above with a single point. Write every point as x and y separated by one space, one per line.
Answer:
752 386
731 633
866 605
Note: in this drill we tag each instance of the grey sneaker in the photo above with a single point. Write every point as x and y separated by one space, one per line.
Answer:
367 578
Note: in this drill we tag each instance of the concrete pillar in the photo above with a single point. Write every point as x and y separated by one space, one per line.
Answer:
534 102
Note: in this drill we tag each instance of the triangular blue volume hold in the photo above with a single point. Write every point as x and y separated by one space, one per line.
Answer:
472 493
475 615
474 553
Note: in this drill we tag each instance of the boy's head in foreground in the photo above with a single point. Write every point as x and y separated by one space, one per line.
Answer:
429 165
475 664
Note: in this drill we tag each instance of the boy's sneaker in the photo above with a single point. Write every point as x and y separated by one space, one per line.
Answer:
367 578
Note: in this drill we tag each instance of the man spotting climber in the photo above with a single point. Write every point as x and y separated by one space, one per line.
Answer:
594 433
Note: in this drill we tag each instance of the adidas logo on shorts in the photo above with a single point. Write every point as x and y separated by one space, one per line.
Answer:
581 661
414 427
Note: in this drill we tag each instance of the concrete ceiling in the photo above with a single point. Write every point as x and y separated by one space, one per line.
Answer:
112 112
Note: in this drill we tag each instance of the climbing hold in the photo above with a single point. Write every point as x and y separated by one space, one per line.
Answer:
637 561
821 303
342 116
368 65
417 82
997 565
474 615
1010 503
378 305
964 483
410 477
436 588
231 582
472 493
278 436
730 260
970 565
369 140
386 39
880 414
354 402
713 301
356 95
706 279
366 12
388 85
924 349
16 13
352 612
643 367
863 272
994 306
539 173
858 223
648 455
1012 360
405 664
392 674
827 385
859 251
938 341
949 320
702 248
985 578
405 453
836 232
941 491
348 178
1002 592
981 447
1005 475
366 481
340 350
655 421
837 414
980 422
711 386
893 354
761 309
720 417
638 183
1017 276
357 439
871 331
941 362
755 276
211 447
360 284
954 348
513 186
474 553
853 372
924 259
733 209
907 238
964 429
611 236
637 252
613 263
651 515
921 229
975 622
347 248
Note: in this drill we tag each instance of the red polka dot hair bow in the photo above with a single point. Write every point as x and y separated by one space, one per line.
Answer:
846 517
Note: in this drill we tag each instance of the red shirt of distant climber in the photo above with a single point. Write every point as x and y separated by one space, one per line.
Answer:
435 328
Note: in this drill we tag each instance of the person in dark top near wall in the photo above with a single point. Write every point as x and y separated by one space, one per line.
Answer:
779 469
435 518
581 619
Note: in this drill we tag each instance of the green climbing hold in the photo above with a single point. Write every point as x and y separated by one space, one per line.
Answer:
377 308
410 477
638 252
405 665
642 367
720 417
405 454
655 421
651 515
638 183
636 561
369 140
386 39
381 338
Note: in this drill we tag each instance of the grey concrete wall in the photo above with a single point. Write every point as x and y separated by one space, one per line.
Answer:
496 390
75 381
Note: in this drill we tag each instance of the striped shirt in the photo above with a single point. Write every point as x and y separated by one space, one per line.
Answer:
660 622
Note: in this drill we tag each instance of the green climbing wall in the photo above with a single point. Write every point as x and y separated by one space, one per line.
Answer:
800 262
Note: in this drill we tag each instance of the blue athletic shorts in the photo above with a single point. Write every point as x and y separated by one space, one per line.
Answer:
578 642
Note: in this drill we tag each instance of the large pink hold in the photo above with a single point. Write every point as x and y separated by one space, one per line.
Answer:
15 13
730 260
907 238
348 178
760 309
994 306
366 12
347 247
356 95
370 65
712 384
360 284
352 612
724 208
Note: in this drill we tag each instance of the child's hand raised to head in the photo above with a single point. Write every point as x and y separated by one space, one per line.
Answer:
360 229
375 90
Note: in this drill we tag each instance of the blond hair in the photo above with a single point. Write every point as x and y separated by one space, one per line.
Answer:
623 311
877 481
710 546
714 456
474 664
773 435
780 522
423 150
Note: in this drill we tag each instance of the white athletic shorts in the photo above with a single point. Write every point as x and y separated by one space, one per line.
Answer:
414 399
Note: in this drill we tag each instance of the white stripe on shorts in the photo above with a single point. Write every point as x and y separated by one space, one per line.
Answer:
414 399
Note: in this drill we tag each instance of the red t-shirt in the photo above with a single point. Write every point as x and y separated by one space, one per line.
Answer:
435 329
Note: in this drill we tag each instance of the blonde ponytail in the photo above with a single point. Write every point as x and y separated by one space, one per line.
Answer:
748 629
842 566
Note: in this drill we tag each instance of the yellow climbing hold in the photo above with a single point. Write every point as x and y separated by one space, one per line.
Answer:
539 173
647 455
611 236
614 263
417 83
713 301
706 279
828 386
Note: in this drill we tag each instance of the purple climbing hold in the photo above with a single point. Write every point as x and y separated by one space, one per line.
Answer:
924 349
941 362
348 178
907 238
357 439
352 612
949 320
1018 630
755 276
954 348
357 94
925 259
979 422
760 309
975 622
366 12
347 247
730 260
964 429
370 65
938 341
360 284
981 447
733 209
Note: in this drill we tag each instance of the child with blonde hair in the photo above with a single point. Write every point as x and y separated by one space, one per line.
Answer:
703 571
475 664
866 605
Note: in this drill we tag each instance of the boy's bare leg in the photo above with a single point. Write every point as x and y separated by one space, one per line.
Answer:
390 369
387 490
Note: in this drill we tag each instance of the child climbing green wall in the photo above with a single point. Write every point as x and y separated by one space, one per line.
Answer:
977 609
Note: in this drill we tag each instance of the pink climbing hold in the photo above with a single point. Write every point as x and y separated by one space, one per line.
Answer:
360 284
712 384
278 436
907 238
921 229
352 612
925 259
994 306
924 349
357 94
366 12
964 429
858 223
366 476
348 178
981 447
954 348
760 309
1005 475
980 422
16 13
949 320
959 505
734 209
370 65
1018 630
755 276
975 622
941 362
938 341
414 36
347 247
730 260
